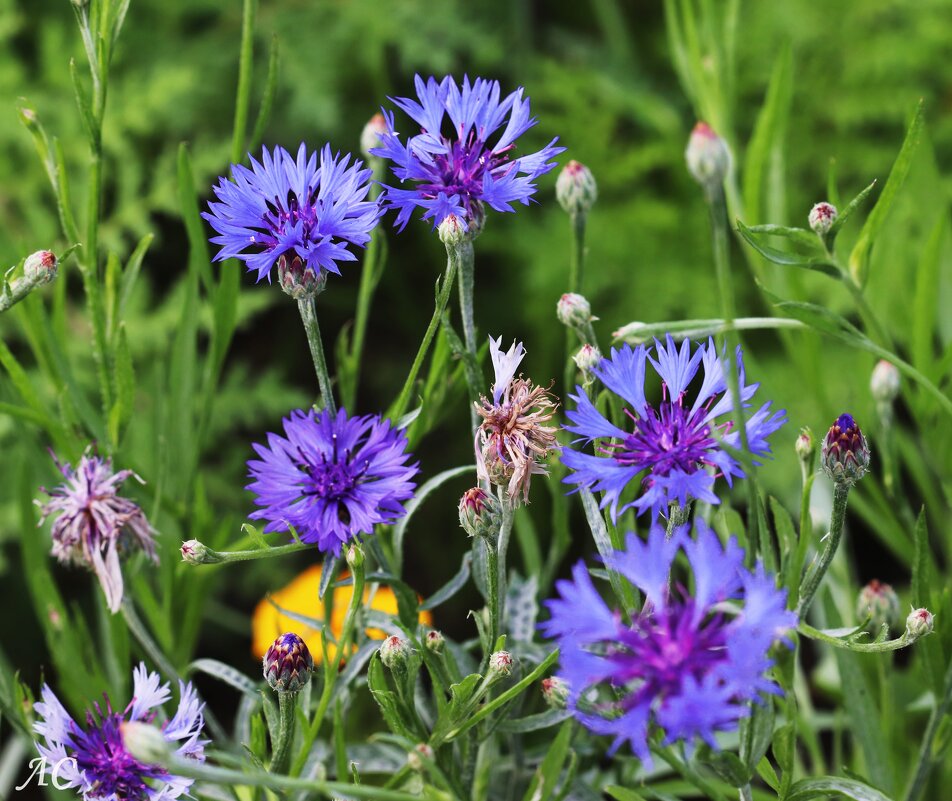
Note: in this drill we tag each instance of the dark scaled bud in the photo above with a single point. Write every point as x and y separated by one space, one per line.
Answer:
394 652
298 280
884 382
370 136
40 267
919 623
500 663
574 310
288 664
479 513
434 641
876 605
556 692
707 156
845 454
575 188
822 216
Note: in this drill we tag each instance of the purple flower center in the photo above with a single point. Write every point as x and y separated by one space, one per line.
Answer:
101 755
668 438
845 422
292 215
460 172
331 479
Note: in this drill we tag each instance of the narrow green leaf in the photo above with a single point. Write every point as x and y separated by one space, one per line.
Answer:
453 586
543 720
332 565
819 264
623 793
925 307
545 779
267 99
756 732
130 275
125 379
198 257
226 673
82 101
807 789
847 212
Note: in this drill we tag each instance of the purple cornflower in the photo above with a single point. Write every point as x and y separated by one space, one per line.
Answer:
95 759
674 442
94 524
459 171
689 664
293 208
332 478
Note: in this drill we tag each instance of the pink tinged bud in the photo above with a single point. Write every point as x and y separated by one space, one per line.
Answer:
394 652
574 310
707 156
193 552
434 641
40 267
370 136
452 230
420 750
145 742
806 445
822 217
919 623
877 605
355 556
288 664
845 454
575 188
500 663
479 513
556 692
298 280
884 382
587 358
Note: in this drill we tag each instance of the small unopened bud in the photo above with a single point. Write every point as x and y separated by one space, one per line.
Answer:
479 513
500 663
145 742
413 757
194 552
28 117
822 217
452 230
806 446
40 267
919 623
288 664
434 641
876 605
707 156
555 691
587 359
370 136
575 188
394 652
574 310
299 280
884 382
355 556
845 454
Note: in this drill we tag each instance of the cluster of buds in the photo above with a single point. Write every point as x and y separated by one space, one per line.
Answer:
845 454
877 605
708 157
919 623
298 280
575 188
480 514
288 664
822 216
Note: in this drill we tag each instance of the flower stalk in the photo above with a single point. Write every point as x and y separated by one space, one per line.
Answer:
308 309
461 252
811 582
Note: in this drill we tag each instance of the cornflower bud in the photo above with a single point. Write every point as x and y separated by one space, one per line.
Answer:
806 446
822 216
919 623
587 358
288 664
355 556
884 382
574 310
555 691
845 454
394 652
575 188
413 757
479 514
434 641
707 156
452 231
876 605
500 663
194 552
40 267
370 135
145 742
299 280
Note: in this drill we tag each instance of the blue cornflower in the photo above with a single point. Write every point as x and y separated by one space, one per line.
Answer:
674 443
458 172
332 477
689 664
293 207
94 759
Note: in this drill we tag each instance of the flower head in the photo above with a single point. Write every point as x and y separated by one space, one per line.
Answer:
845 454
513 440
94 524
673 443
287 666
289 207
689 664
332 478
95 759
457 170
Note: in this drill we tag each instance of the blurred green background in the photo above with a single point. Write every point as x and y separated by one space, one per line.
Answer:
602 76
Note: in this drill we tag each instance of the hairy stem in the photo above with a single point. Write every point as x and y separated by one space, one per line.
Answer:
308 309
462 253
811 583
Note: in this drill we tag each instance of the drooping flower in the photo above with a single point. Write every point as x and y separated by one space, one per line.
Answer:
95 760
293 208
673 443
94 524
454 169
332 477
513 441
687 664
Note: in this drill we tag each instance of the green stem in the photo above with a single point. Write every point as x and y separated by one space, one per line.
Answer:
19 288
492 590
308 308
746 794
462 253
245 65
287 705
811 583
924 763
677 516
213 557
400 405
505 534
806 530
576 266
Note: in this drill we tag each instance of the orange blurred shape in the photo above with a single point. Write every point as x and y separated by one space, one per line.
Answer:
300 597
